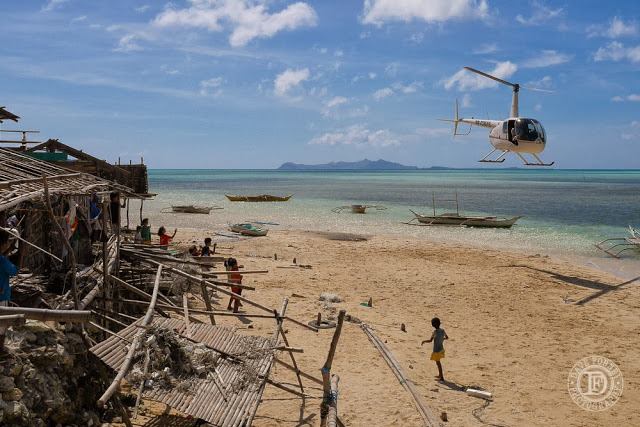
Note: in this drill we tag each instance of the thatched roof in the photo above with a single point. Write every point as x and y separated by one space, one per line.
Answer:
21 179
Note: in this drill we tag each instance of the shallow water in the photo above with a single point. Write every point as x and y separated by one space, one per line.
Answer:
565 211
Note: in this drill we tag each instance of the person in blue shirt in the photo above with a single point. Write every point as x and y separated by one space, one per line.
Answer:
438 337
7 269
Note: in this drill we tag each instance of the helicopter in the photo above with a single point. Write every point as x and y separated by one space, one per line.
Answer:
515 134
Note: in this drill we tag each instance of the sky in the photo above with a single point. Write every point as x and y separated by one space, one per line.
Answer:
255 83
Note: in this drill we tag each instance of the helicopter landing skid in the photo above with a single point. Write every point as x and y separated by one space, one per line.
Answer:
538 161
499 159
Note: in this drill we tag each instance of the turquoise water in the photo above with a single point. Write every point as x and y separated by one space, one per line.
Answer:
565 211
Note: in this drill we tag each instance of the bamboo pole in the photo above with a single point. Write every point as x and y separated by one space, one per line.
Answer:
210 283
72 255
145 369
137 291
126 364
12 320
428 419
185 306
328 397
332 415
298 371
43 314
207 303
8 231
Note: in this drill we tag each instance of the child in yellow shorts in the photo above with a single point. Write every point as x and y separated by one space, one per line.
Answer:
438 337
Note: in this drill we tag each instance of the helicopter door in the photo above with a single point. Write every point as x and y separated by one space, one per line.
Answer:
511 132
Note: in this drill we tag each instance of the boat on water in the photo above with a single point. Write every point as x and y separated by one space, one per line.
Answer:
468 221
191 209
358 209
458 219
257 198
248 229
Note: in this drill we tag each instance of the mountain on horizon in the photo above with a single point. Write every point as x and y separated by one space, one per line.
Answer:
365 164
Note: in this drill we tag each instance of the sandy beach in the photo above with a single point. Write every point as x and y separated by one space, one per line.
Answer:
517 324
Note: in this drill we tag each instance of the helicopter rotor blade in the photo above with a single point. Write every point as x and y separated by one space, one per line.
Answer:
537 89
489 76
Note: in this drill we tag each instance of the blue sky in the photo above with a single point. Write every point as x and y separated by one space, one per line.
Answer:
254 83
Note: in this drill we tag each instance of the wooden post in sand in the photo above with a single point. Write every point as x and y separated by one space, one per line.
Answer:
330 400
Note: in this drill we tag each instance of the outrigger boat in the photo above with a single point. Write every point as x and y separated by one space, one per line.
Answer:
191 209
468 221
248 229
618 245
457 219
358 209
257 198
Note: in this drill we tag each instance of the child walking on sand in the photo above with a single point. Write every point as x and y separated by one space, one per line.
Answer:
438 337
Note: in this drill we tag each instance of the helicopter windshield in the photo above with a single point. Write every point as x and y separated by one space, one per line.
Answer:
529 130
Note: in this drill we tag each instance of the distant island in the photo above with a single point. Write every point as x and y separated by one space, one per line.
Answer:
366 164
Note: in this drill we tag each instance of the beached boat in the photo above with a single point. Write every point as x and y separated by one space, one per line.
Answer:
616 246
468 221
248 229
257 198
191 209
457 219
358 209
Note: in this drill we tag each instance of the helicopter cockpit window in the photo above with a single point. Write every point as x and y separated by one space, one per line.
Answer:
540 129
526 130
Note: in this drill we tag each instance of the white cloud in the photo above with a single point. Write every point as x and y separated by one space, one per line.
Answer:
248 19
289 79
372 75
377 12
632 97
335 101
466 80
211 87
410 88
339 53
79 19
540 14
616 51
127 44
52 5
433 132
537 107
485 49
391 69
416 38
544 83
142 8
547 58
382 93
632 132
617 28
358 136
466 101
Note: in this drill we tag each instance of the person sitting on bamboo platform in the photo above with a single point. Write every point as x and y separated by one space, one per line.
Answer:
145 231
206 249
194 251
438 336
232 265
137 238
7 269
165 239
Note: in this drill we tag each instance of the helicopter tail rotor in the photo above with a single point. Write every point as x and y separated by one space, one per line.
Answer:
456 120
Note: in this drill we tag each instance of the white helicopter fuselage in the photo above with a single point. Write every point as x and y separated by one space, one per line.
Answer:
531 142
515 134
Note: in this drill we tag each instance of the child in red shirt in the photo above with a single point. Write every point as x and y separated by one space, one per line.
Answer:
165 239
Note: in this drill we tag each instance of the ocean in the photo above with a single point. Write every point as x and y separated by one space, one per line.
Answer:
564 211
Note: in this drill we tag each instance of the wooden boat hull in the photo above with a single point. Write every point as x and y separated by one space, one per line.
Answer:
459 220
191 209
257 198
248 230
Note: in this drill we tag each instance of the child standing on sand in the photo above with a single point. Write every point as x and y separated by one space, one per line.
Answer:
438 337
